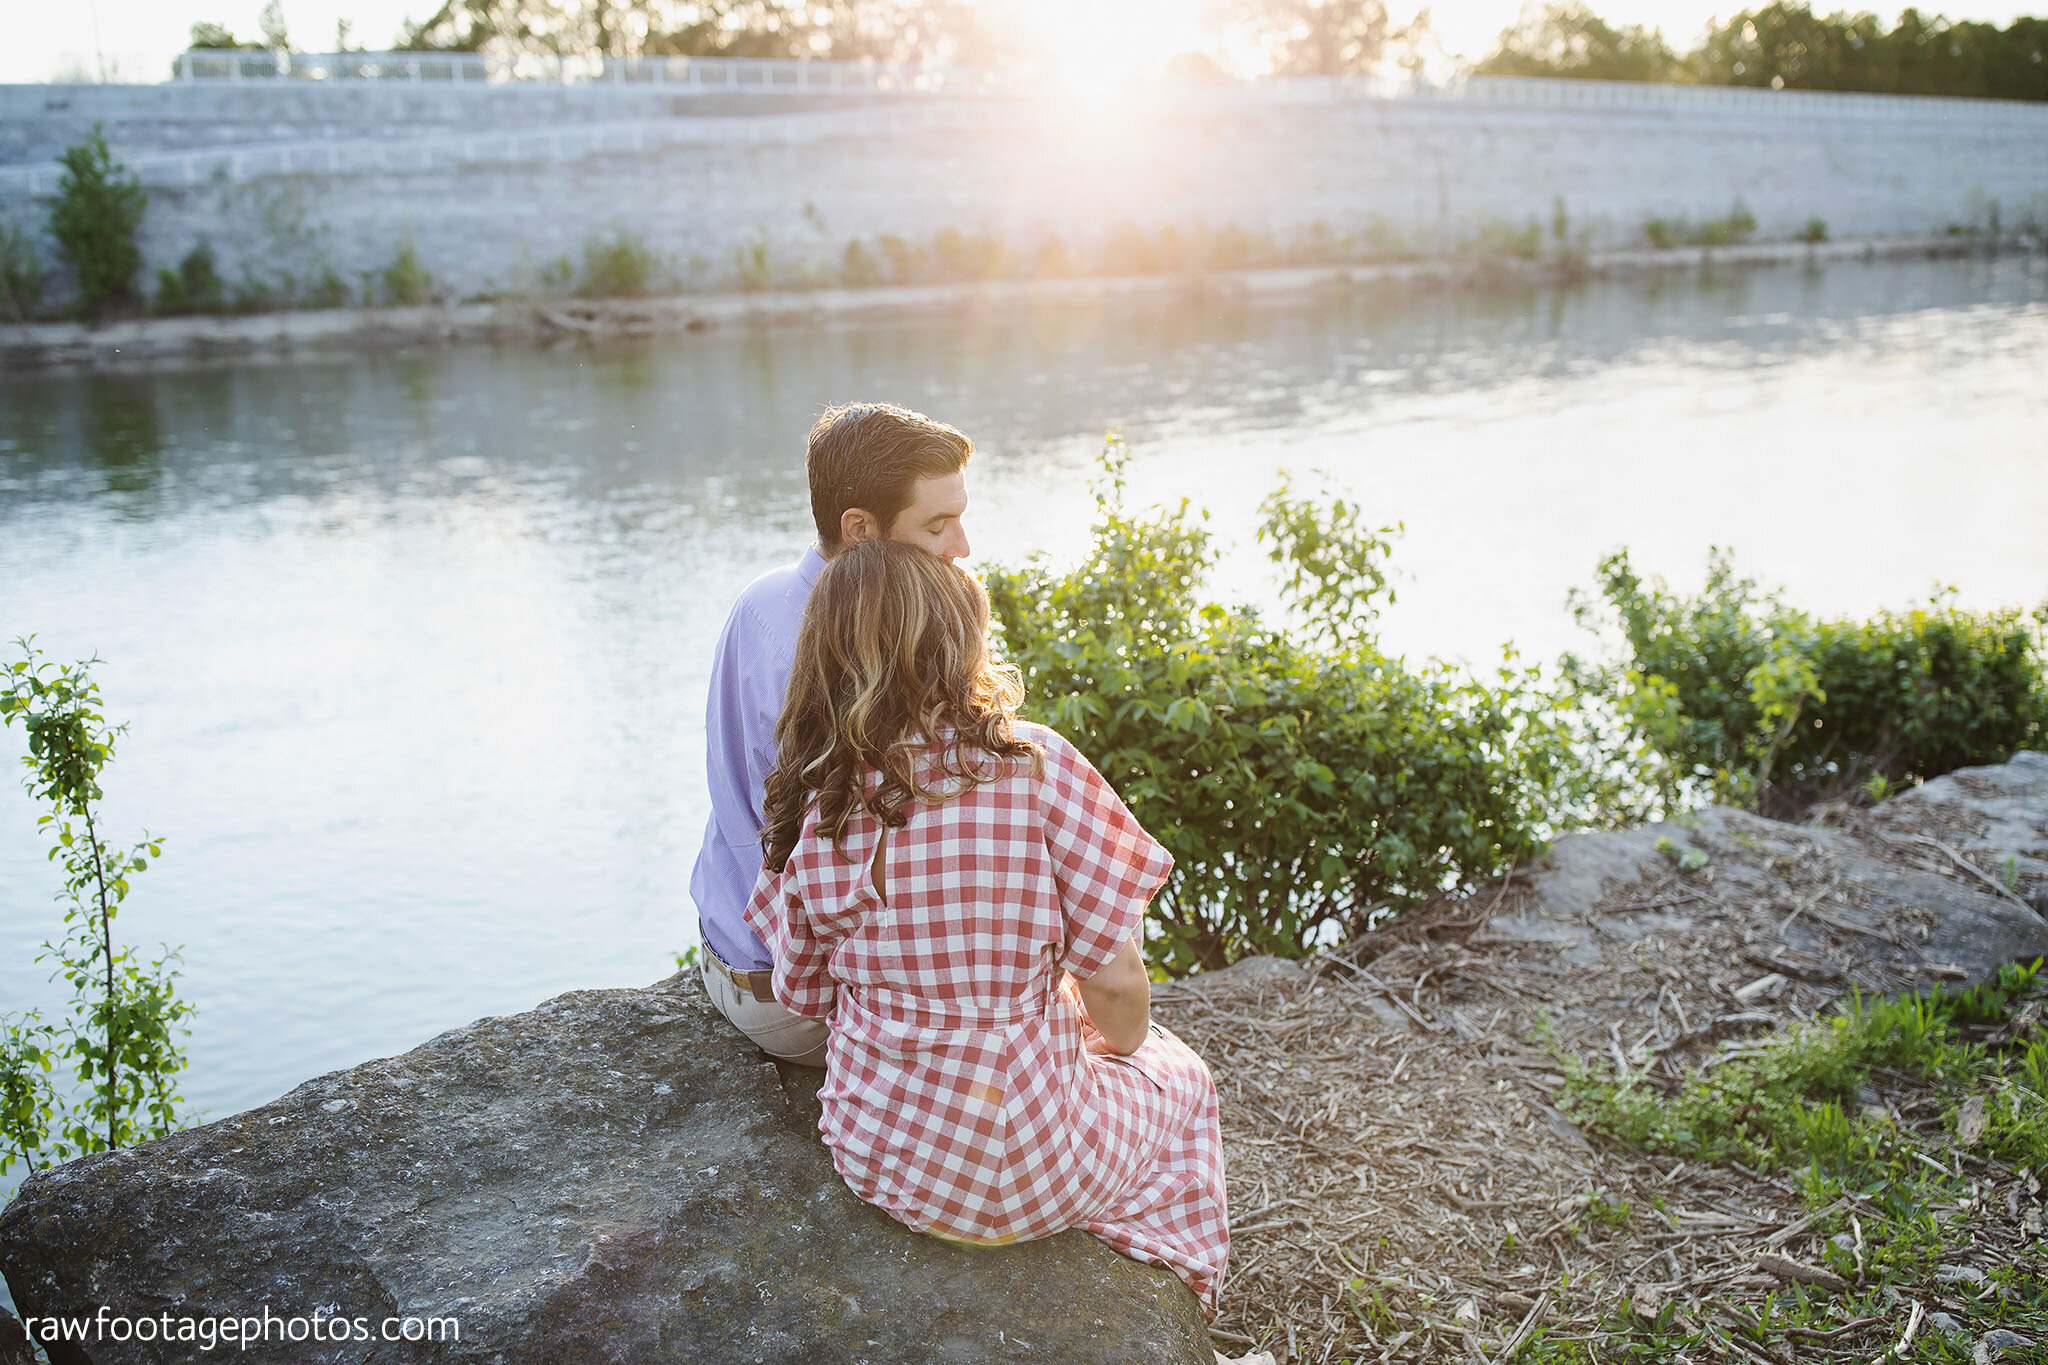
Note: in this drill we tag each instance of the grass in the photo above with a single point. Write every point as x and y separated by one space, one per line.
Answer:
1737 226
1904 1124
620 266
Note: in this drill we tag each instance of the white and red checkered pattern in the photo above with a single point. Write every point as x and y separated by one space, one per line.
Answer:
965 1091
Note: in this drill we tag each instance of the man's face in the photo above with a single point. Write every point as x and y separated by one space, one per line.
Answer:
932 520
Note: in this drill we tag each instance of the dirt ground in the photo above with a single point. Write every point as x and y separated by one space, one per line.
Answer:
1402 1187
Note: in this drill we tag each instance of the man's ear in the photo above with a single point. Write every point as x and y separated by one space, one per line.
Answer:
856 525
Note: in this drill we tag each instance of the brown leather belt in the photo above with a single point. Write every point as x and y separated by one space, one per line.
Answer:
760 984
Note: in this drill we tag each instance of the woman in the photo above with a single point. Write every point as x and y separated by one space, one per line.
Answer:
959 895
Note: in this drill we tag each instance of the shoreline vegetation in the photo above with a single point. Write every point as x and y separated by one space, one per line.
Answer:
199 336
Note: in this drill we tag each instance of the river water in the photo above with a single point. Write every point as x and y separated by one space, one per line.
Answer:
412 647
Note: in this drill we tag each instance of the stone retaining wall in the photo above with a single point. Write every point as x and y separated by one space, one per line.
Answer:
704 180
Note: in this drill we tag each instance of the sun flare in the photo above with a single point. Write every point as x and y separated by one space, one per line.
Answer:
1101 47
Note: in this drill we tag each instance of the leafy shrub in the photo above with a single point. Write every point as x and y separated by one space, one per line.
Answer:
1230 248
1050 260
121 1037
98 211
194 287
751 265
21 273
617 267
1736 227
328 291
969 255
1757 703
906 258
557 275
1302 779
1130 250
254 294
1381 238
405 281
1497 239
858 268
1816 230
1317 245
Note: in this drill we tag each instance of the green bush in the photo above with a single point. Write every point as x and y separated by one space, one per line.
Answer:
121 1037
328 291
906 259
1816 230
1130 250
617 267
194 287
253 294
858 268
1736 227
1230 248
21 273
751 263
1050 259
1498 238
405 281
1737 694
1318 245
969 255
99 208
1303 780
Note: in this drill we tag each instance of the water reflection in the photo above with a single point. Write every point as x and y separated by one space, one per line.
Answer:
414 645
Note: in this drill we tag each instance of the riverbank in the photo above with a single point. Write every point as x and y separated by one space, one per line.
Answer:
1549 1123
178 341
1420 1128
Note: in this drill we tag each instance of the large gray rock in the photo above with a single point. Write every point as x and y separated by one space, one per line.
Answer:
1931 885
614 1176
15 1347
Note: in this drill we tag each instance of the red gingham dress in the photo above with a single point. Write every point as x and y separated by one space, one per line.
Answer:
965 1092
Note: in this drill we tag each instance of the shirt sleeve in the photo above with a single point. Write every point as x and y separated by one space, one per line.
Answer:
743 703
802 981
1107 867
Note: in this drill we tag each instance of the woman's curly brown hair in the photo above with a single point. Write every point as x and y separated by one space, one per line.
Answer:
892 663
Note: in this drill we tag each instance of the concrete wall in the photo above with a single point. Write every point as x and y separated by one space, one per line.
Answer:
700 178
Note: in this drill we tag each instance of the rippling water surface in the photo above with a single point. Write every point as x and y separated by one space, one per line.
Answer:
413 647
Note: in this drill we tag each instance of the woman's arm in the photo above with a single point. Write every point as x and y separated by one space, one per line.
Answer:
1119 999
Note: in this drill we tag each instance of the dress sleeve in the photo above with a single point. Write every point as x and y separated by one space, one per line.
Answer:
802 981
1107 867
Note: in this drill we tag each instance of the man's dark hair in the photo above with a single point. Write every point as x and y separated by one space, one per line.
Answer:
870 456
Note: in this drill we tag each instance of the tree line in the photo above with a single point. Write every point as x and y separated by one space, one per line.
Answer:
1788 47
1293 37
1779 46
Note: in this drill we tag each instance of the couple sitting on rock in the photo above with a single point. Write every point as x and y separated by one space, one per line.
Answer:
948 914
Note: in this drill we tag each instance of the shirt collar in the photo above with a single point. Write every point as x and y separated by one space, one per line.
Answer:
811 565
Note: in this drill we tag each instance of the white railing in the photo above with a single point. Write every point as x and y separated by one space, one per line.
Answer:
1547 92
714 75
711 75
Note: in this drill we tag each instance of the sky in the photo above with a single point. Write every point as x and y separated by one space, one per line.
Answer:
136 39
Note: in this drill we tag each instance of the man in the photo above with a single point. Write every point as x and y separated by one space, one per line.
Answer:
876 471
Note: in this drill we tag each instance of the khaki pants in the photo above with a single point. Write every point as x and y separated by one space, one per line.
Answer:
776 1031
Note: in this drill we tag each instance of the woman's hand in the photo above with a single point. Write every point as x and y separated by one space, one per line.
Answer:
1119 1000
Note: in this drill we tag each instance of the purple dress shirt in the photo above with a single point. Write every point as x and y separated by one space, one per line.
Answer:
749 674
